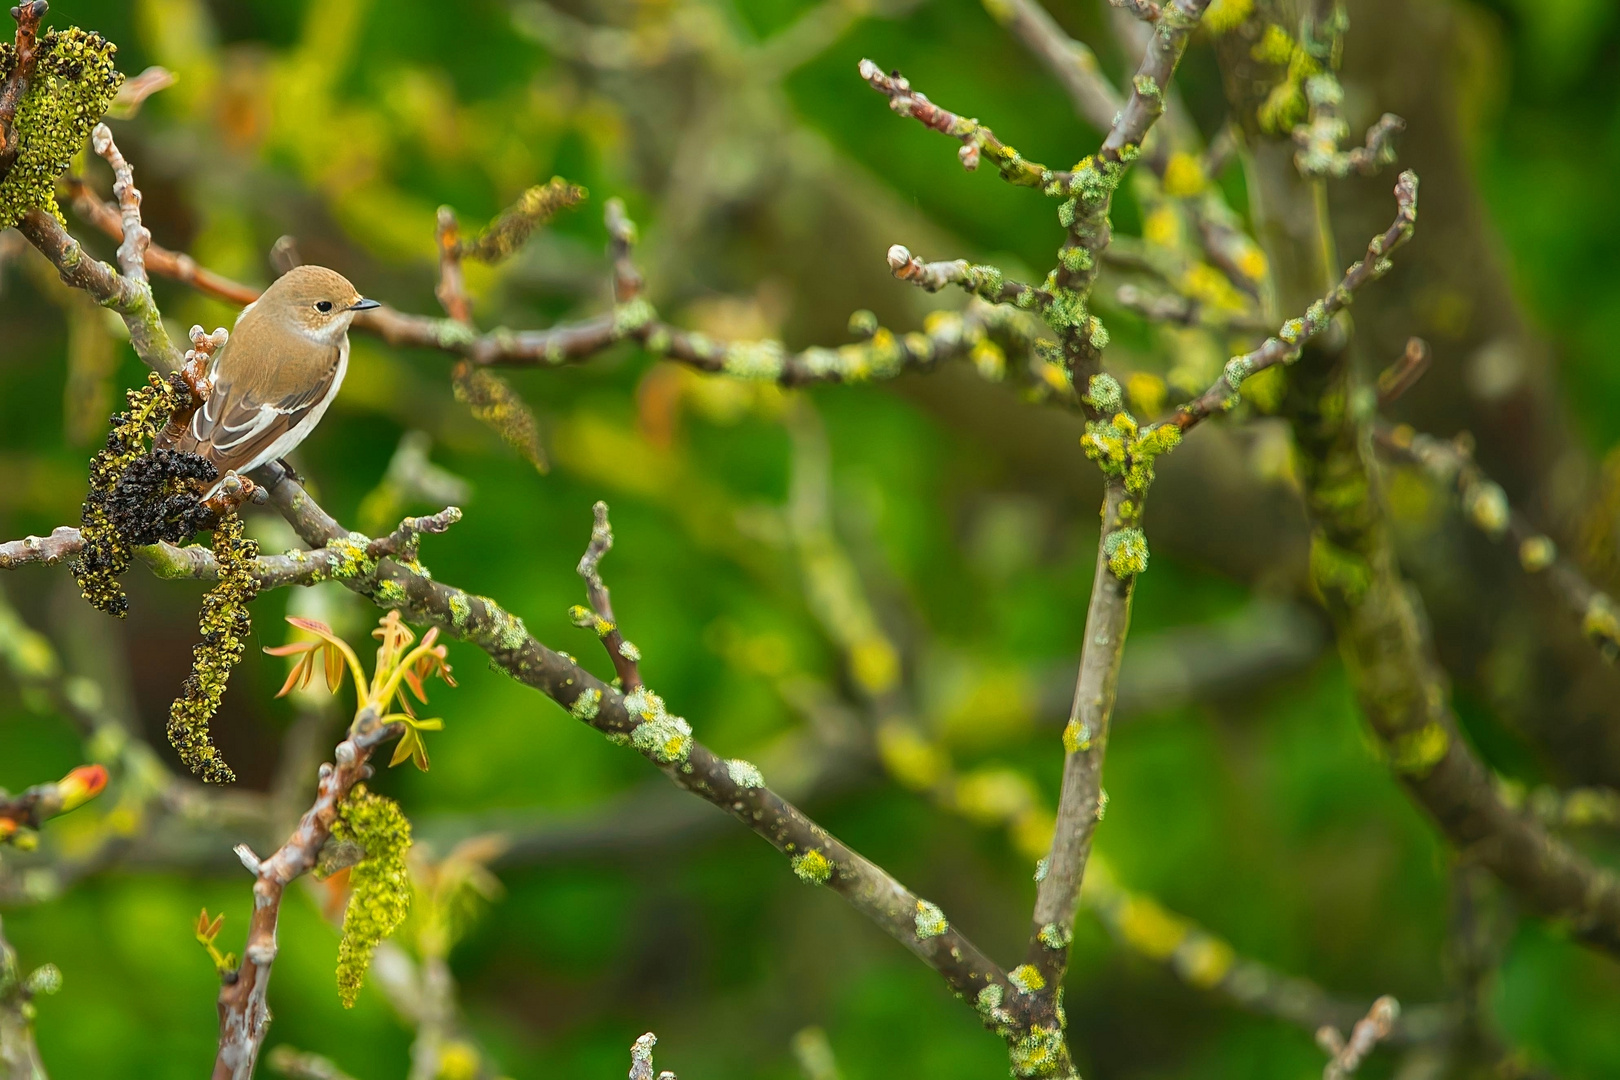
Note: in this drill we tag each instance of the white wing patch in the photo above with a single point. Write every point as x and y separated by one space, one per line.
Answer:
249 429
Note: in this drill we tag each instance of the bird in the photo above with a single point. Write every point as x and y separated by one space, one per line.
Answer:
276 374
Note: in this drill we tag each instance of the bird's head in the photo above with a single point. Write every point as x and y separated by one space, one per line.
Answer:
314 301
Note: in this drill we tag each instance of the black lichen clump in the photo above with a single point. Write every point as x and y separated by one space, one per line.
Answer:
106 553
225 625
157 498
74 82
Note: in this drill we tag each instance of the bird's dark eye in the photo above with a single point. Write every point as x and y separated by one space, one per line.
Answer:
323 306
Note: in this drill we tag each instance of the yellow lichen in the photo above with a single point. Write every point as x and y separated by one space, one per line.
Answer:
812 867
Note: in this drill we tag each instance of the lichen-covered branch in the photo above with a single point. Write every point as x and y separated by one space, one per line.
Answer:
1290 341
351 555
985 282
976 139
734 786
244 1012
1486 506
1398 684
1322 30
641 1059
1091 187
1085 740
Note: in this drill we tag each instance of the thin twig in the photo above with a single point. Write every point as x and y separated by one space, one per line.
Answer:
976 139
985 282
1395 380
136 237
627 282
1347 1055
599 617
1487 507
1057 897
452 289
1290 342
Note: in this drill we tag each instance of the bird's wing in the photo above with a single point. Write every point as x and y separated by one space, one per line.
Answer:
250 408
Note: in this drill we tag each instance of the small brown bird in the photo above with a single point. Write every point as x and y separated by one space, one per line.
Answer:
278 372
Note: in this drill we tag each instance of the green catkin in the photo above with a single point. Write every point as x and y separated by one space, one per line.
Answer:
379 884
493 402
533 209
225 625
74 82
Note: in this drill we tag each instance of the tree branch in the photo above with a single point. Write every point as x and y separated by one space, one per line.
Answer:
346 556
734 787
244 1013
19 1055
1085 740
976 139
985 282
1290 341
1486 506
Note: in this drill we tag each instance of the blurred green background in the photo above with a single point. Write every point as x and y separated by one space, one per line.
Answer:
768 182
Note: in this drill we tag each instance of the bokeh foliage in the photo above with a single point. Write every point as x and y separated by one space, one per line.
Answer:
767 203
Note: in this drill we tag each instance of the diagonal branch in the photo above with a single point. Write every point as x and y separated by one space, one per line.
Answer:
1287 346
734 786
976 139
1085 740
1487 507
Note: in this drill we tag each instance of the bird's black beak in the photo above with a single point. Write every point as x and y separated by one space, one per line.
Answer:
363 304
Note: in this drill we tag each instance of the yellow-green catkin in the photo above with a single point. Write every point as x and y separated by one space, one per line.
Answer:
73 84
494 402
380 884
225 625
106 555
533 209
